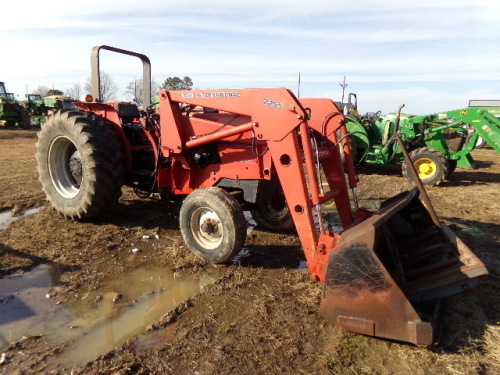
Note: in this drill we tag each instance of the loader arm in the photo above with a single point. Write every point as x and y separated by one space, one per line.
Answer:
484 123
383 265
276 118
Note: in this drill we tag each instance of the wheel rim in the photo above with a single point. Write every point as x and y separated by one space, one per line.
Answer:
65 167
426 168
207 228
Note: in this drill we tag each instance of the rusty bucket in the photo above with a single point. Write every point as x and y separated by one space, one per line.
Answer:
387 274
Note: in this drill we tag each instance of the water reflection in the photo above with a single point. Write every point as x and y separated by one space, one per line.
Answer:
95 323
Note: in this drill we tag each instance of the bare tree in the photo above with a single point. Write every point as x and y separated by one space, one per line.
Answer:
54 92
41 90
75 92
108 87
134 91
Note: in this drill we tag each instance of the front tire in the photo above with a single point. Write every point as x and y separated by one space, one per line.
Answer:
212 224
480 143
431 166
452 165
79 164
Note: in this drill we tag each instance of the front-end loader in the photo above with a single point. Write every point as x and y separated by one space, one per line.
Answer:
382 273
437 142
492 107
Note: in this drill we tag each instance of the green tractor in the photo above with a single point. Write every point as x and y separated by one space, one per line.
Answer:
11 111
54 102
437 143
35 104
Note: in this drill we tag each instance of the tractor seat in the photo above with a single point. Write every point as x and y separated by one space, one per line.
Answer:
127 112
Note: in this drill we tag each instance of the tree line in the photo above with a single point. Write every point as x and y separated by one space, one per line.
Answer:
109 89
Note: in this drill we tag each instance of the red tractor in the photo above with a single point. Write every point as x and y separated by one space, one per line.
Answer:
282 158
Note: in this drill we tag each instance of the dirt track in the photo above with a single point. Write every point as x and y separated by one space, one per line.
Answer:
261 315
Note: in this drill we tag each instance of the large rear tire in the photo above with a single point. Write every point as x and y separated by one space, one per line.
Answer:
212 224
24 117
79 164
431 166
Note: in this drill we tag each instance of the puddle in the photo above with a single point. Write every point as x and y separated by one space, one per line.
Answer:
24 306
95 324
147 244
251 224
8 217
158 291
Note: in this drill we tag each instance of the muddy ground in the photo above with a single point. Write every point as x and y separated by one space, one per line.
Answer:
260 316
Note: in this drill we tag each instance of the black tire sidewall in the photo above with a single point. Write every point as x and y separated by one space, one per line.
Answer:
437 158
86 203
53 129
25 117
452 165
231 217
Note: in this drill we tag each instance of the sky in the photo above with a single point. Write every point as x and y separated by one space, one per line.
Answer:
429 55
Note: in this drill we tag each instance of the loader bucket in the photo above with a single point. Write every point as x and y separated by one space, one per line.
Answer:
389 272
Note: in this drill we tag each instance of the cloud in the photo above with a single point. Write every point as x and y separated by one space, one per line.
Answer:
419 101
383 47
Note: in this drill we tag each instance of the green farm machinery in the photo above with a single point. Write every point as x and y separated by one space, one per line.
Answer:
53 102
437 143
35 104
492 106
11 111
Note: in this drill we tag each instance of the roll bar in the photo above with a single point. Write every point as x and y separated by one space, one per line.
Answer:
96 74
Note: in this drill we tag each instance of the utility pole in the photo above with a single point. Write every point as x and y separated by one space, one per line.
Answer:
298 89
343 85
